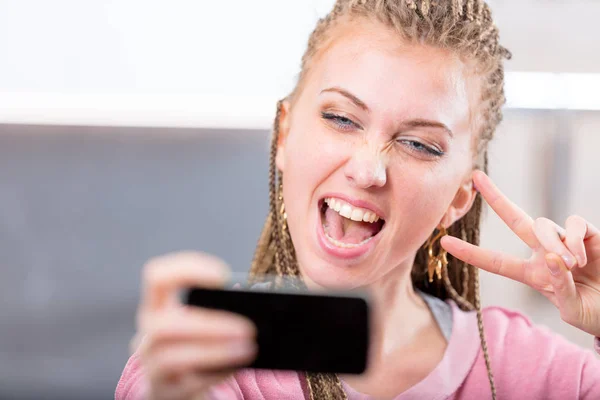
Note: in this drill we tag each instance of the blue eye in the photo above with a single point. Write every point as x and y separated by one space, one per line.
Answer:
339 121
417 146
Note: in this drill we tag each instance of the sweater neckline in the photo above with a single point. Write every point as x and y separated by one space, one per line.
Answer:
459 357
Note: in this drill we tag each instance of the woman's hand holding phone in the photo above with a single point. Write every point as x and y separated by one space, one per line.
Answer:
186 350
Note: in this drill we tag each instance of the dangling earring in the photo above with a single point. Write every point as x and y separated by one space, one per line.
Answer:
282 212
436 263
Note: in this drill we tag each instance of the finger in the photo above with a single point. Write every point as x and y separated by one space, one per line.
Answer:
549 234
165 275
565 291
515 218
577 232
199 323
202 357
488 260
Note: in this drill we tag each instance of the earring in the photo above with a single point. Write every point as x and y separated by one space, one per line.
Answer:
282 208
436 263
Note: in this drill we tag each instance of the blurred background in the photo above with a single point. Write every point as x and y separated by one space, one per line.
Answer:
133 128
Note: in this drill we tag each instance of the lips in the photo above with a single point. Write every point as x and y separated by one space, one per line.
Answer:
347 228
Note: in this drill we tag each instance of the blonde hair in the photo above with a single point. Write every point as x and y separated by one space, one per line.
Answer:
464 27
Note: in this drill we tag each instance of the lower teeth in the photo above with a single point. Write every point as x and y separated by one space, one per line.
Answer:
346 245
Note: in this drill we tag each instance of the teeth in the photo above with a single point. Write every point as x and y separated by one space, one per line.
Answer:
357 215
333 204
338 206
348 211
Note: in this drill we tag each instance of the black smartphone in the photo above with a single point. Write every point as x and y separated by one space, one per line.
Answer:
298 330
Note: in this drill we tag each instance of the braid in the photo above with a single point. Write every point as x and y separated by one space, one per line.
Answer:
425 7
325 387
486 355
463 26
479 14
273 200
470 15
457 10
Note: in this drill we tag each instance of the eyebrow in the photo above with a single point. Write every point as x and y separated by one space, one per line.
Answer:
348 95
413 123
424 123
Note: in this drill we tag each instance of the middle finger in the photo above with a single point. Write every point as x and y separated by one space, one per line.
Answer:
549 235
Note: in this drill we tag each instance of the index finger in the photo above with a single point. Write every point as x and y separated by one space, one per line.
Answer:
164 276
497 263
514 217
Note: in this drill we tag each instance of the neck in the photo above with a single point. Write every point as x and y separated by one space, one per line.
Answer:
399 317
399 313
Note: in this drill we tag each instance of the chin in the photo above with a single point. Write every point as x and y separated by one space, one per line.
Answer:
324 275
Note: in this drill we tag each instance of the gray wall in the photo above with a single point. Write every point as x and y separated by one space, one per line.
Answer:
81 209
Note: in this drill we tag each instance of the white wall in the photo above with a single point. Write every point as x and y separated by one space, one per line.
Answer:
234 47
225 63
137 46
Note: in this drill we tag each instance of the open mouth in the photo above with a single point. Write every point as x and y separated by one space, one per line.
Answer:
347 226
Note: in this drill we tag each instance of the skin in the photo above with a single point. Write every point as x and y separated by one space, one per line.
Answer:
376 156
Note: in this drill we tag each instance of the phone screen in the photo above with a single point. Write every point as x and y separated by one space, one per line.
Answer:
313 332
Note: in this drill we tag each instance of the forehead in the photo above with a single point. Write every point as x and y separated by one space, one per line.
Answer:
395 79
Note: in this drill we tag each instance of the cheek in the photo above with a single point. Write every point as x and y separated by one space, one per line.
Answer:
421 197
312 154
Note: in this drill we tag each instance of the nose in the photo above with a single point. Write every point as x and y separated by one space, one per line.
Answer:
367 168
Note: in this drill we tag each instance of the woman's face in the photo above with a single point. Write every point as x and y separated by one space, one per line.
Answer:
381 130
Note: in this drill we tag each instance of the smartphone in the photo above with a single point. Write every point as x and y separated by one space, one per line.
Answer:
298 330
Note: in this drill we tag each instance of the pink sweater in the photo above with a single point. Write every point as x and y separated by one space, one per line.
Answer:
527 361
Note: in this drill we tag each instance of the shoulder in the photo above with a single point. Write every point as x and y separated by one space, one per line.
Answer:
510 329
132 384
505 326
531 358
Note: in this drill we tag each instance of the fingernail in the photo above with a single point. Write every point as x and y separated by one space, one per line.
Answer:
569 260
553 265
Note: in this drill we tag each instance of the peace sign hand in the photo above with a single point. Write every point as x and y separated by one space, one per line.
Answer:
564 265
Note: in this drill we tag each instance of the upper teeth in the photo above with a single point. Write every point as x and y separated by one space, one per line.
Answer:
349 211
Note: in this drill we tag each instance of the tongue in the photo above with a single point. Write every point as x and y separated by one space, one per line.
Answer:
346 230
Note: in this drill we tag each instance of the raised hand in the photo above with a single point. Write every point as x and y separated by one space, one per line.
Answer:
186 350
564 265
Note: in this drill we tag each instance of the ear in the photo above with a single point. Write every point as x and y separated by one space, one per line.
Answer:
462 203
284 128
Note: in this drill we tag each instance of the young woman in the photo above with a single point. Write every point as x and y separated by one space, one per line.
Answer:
377 159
